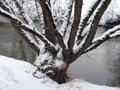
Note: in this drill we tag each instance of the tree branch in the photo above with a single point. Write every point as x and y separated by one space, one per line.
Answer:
85 20
51 31
48 21
26 37
95 21
22 12
77 17
66 17
25 27
5 5
109 34
25 17
39 13
93 27
20 31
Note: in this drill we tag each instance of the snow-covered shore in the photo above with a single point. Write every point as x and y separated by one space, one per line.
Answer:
17 75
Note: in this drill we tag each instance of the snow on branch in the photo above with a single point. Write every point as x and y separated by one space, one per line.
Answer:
66 17
84 27
29 39
19 4
94 21
109 34
22 11
6 6
76 21
20 31
25 27
51 29
25 17
85 19
39 14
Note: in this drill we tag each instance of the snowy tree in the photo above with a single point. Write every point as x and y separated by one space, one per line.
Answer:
65 32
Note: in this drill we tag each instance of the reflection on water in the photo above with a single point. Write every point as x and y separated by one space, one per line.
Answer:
100 66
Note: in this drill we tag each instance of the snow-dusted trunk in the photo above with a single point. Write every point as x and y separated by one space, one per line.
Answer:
54 66
56 73
61 42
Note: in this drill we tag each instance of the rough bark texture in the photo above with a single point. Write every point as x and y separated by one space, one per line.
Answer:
76 21
59 76
48 20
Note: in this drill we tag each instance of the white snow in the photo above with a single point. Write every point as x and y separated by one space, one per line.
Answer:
115 31
112 12
17 75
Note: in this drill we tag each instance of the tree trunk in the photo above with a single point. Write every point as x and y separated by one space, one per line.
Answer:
60 76
55 72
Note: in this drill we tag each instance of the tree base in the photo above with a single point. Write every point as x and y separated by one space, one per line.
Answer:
59 76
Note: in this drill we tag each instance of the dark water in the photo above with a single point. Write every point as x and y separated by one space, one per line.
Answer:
12 45
100 66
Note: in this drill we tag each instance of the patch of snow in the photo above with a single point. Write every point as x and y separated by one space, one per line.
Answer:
17 75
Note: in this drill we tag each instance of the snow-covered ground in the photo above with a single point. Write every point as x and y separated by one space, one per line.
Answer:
17 75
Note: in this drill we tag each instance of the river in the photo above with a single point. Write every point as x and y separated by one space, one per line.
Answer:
12 45
100 66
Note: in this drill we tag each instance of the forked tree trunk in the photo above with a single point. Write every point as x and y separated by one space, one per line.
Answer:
56 73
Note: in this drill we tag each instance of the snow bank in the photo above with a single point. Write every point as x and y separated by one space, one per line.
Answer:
17 75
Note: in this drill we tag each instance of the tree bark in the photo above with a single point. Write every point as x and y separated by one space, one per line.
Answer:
57 74
60 76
